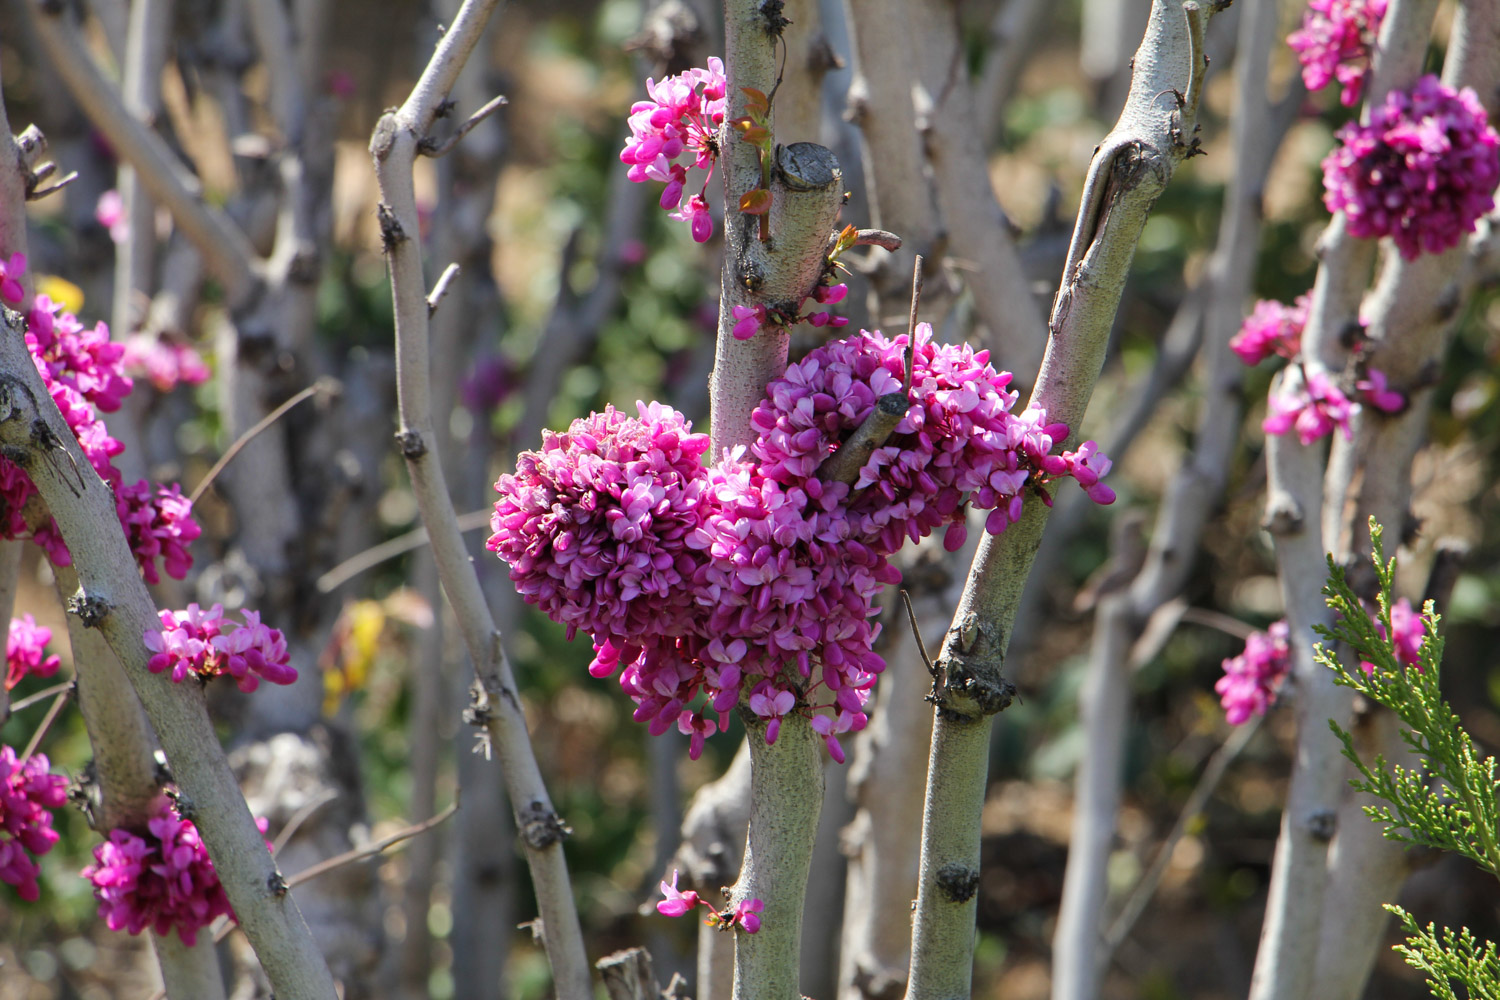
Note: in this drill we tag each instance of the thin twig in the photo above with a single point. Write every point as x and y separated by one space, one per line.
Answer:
435 149
294 823
916 632
369 850
47 720
441 288
877 238
1228 624
40 193
41 695
322 385
361 562
911 322
1208 782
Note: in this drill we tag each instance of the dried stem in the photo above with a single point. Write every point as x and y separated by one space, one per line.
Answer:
395 146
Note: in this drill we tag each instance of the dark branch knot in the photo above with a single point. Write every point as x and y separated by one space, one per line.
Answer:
276 884
411 444
541 827
391 232
1322 825
958 882
773 12
91 609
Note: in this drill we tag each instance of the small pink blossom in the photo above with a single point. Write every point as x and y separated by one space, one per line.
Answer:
163 361
747 914
683 115
161 878
676 903
205 644
1313 405
110 213
1378 393
28 794
159 525
1271 328
1410 631
1335 41
1252 679
11 273
747 320
26 651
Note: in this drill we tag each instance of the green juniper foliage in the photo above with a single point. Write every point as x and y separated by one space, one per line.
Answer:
1450 802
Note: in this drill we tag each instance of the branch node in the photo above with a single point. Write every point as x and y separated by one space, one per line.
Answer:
91 609
185 806
276 884
541 827
391 232
435 148
1322 825
958 882
411 444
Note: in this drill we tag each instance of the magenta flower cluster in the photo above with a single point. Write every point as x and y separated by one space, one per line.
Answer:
1422 172
753 581
162 878
26 651
28 794
84 372
1272 328
158 525
205 644
163 361
677 903
1335 41
683 115
1252 678
1312 404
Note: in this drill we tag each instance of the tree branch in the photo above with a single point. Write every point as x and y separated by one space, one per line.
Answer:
1129 171
395 146
113 599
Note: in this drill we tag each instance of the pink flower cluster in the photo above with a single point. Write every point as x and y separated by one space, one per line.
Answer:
163 361
749 319
1252 678
1407 624
677 903
84 373
206 644
28 793
1311 403
158 525
683 115
1422 172
753 581
1335 42
958 441
1272 328
163 879
26 651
